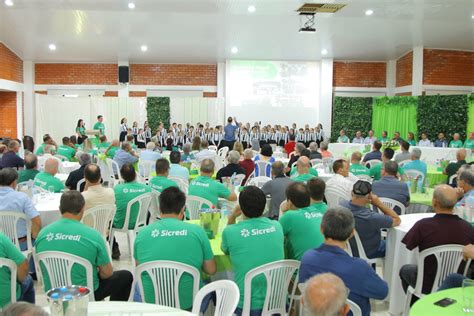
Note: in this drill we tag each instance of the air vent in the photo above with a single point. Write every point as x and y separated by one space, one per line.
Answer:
320 7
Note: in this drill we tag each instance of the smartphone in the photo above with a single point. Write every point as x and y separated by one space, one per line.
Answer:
445 302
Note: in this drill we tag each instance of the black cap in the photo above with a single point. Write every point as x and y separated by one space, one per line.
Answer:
362 187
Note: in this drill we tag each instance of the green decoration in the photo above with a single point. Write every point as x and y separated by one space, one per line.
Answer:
470 114
443 113
395 114
158 111
351 115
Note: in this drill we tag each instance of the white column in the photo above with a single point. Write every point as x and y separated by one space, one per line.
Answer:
29 98
220 79
391 77
123 89
325 104
417 78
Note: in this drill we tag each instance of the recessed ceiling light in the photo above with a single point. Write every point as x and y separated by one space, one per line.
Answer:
251 8
234 50
144 48
52 47
324 52
369 12
472 16
9 3
131 5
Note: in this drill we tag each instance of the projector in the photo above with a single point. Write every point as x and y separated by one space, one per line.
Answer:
307 30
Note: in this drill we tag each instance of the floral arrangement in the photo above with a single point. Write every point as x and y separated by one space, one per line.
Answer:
393 144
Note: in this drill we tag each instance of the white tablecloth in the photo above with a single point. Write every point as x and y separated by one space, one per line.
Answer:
68 167
396 256
48 207
62 176
338 149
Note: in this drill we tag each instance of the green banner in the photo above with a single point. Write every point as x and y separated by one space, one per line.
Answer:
394 114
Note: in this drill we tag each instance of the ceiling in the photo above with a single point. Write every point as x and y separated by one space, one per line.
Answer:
204 31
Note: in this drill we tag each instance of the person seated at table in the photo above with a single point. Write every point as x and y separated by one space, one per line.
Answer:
370 139
77 175
453 167
325 294
67 149
390 187
176 170
207 188
369 223
342 137
124 193
456 142
297 154
47 140
265 154
46 179
205 153
411 139
290 145
300 226
248 164
424 141
252 242
375 154
276 188
10 159
341 180
313 151
71 236
465 183
161 181
376 171
198 252
94 193
426 234
187 155
232 167
112 149
441 141
304 170
25 290
384 137
362 281
31 169
358 139
149 154
397 138
405 154
356 168
323 149
469 142
416 163
125 155
103 143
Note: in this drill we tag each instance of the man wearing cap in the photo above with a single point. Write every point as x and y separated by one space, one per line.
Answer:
367 222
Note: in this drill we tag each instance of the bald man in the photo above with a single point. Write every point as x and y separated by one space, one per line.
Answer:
426 234
47 179
303 167
325 294
453 167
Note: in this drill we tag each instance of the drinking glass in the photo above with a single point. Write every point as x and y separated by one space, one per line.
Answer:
42 193
51 192
468 295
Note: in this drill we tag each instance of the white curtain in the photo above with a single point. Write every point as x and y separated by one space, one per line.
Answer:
193 110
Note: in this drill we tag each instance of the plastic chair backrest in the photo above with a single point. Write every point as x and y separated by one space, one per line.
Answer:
278 275
227 297
194 204
365 177
183 185
334 196
145 168
223 152
415 173
143 201
360 246
9 222
101 217
79 184
315 162
370 163
59 265
165 277
355 309
154 206
391 203
258 181
261 168
251 176
212 147
452 178
10 264
113 168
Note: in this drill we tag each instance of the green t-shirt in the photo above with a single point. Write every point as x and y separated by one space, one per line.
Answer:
124 193
376 171
343 139
40 149
73 237
81 130
302 229
411 142
8 251
208 189
66 151
358 169
177 241
303 177
100 126
384 139
160 183
455 144
103 145
469 143
27 174
112 151
312 171
250 244
46 180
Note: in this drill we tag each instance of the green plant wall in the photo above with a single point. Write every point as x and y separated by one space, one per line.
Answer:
470 114
158 111
351 114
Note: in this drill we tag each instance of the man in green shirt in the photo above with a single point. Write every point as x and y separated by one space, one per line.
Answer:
469 143
301 227
70 236
303 167
124 193
47 140
99 125
252 242
456 142
47 179
376 171
161 181
177 241
66 149
112 149
103 143
31 169
384 137
356 168
207 188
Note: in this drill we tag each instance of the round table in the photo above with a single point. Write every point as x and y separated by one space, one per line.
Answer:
435 176
69 166
130 308
425 305
48 207
397 255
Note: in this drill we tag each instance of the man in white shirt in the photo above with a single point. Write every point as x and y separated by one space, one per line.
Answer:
176 170
150 154
341 178
205 153
358 139
424 141
370 139
94 193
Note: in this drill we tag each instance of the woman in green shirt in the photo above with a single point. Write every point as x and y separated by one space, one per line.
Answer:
81 131
411 139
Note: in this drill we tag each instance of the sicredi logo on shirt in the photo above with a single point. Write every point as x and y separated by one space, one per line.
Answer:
254 232
61 236
168 233
126 190
312 215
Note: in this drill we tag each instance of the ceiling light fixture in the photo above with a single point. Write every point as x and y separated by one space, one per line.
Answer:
251 8
234 50
52 47
9 3
472 16
144 48
71 95
369 12
131 5
324 52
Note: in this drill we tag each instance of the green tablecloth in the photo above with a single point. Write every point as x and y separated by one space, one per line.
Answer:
422 198
435 176
425 306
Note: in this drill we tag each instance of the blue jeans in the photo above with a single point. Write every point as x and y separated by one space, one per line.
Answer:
31 262
452 281
27 290
253 312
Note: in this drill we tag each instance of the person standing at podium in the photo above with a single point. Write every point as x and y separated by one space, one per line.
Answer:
99 125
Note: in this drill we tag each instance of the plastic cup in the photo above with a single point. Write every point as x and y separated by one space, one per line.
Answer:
468 295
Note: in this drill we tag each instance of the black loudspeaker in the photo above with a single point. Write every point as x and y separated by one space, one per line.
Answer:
123 74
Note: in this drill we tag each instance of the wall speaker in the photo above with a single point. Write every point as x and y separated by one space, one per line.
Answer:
123 74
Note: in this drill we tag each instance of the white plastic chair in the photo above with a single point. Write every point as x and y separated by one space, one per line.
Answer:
143 201
355 309
183 185
415 174
79 183
145 168
452 178
8 226
404 162
361 251
227 297
59 265
316 162
114 169
334 196
238 179
391 203
261 168
154 209
251 176
10 264
194 204
165 276
370 163
219 162
448 261
278 275
223 152
212 147
101 217
258 181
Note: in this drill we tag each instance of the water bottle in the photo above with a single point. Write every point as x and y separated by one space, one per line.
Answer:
232 180
224 218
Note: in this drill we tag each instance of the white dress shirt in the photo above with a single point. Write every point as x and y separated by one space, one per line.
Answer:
341 182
